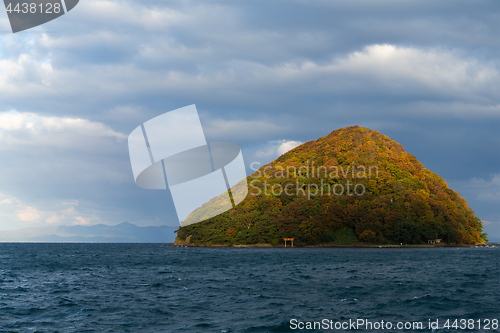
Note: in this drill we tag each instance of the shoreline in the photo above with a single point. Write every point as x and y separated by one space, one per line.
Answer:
334 246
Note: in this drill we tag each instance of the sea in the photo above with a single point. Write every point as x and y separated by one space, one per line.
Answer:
153 288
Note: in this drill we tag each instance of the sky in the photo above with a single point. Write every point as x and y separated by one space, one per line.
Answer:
267 75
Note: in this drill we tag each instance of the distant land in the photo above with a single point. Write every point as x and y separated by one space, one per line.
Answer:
100 233
354 186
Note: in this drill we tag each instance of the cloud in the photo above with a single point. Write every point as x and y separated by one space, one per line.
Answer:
18 129
277 148
454 109
29 214
241 129
375 71
62 212
6 202
150 18
80 220
440 71
24 69
54 219
125 113
287 146
486 190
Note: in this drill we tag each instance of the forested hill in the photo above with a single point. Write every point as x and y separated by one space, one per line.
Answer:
352 186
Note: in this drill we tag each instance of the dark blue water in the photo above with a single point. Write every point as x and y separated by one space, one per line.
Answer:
151 288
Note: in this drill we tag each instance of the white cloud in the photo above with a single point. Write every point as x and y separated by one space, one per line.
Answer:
80 220
287 146
125 113
386 70
401 68
130 13
53 219
29 214
277 148
59 160
65 212
481 189
6 202
379 70
265 152
25 70
30 129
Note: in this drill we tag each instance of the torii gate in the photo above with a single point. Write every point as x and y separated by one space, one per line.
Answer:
288 239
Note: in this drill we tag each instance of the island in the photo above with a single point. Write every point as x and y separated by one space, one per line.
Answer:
353 187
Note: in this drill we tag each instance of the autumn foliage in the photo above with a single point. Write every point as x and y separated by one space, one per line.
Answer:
402 203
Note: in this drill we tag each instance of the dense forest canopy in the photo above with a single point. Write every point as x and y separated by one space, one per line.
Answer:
352 186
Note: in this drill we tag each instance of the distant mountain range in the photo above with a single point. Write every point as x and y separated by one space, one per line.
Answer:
100 233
